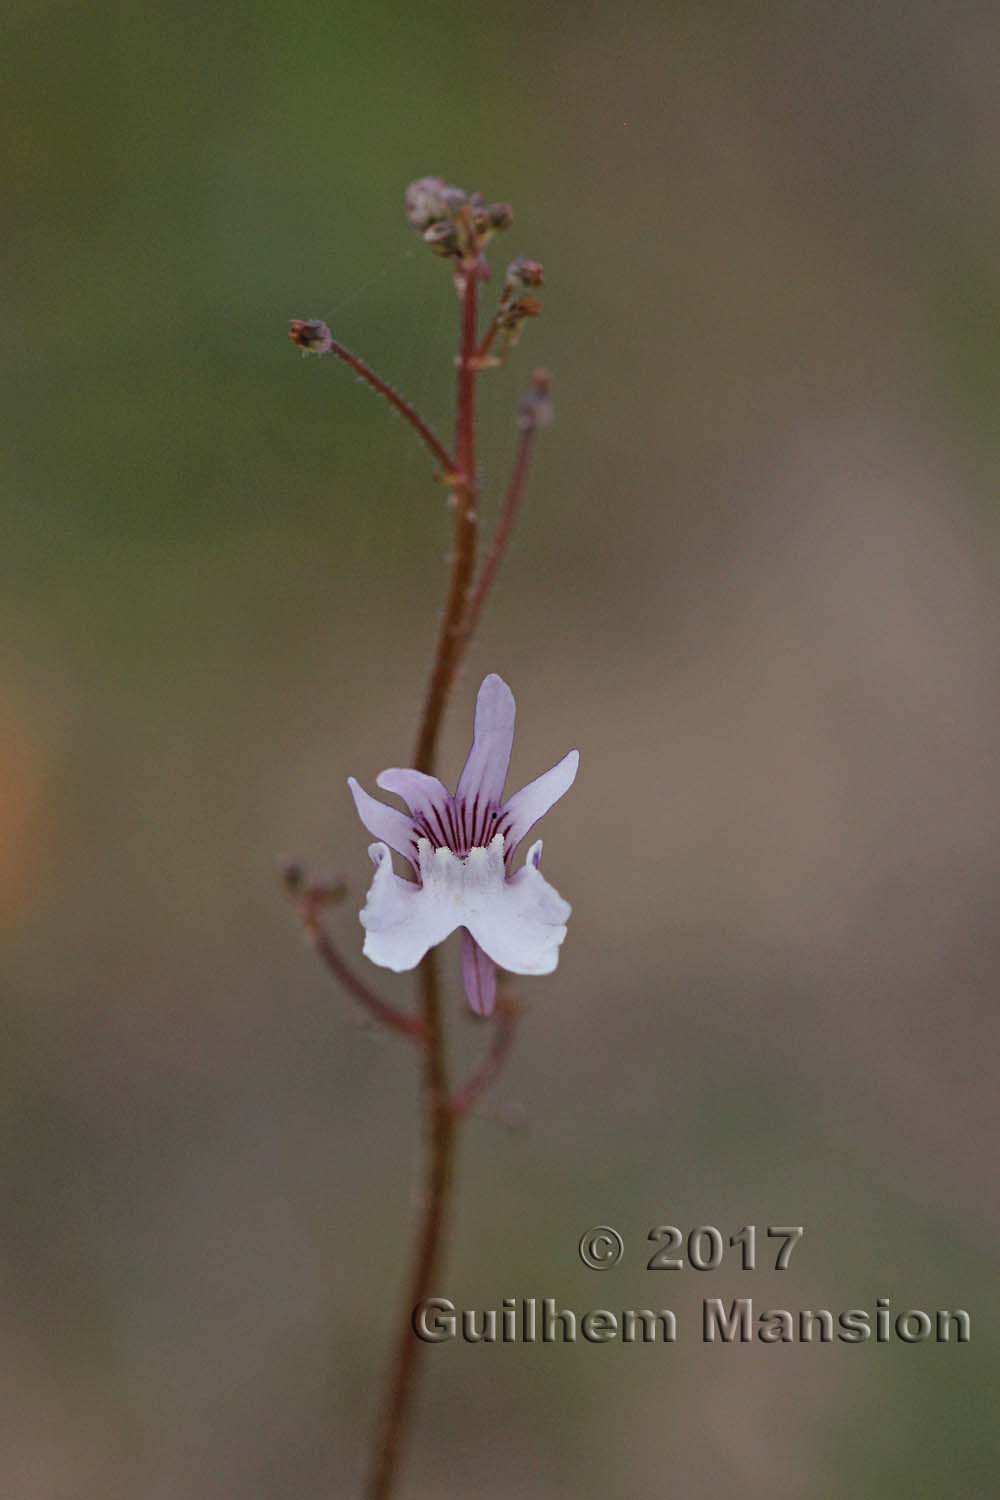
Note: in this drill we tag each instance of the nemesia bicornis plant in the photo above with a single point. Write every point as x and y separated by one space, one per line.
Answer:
458 852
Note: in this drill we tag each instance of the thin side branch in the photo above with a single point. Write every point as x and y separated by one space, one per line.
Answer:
535 412
504 1030
435 447
309 900
385 1014
502 535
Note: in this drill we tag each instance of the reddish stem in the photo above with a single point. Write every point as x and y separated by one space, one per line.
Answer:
386 1015
464 555
439 1118
439 1130
437 449
308 904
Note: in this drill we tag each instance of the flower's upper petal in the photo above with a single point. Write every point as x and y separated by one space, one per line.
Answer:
485 771
523 922
427 798
479 975
402 920
534 800
388 824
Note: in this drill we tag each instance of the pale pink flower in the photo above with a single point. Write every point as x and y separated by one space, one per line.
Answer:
461 849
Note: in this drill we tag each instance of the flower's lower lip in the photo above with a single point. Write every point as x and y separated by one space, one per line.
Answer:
518 920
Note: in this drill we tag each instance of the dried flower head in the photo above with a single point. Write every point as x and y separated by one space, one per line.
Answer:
452 222
430 199
311 335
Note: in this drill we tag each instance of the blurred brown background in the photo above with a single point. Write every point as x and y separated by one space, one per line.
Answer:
756 585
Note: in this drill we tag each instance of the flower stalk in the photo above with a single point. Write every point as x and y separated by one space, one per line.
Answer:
446 841
440 1122
310 898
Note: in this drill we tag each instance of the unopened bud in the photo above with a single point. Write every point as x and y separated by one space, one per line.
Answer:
311 335
524 273
488 218
514 314
536 409
500 215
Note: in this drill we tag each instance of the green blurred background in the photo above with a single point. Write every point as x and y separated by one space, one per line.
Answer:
755 583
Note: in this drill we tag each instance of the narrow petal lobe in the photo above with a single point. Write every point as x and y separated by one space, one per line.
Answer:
485 771
388 824
534 800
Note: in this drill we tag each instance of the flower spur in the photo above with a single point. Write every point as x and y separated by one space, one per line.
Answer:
461 849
